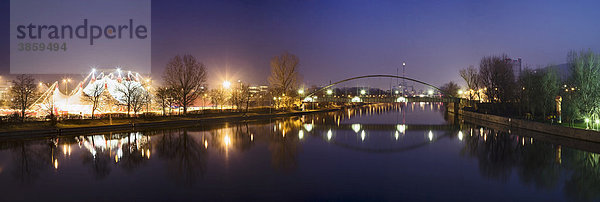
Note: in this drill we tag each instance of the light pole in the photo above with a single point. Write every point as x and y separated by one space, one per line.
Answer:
397 82
403 75
66 81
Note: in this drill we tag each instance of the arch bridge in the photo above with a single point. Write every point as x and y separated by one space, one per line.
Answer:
311 98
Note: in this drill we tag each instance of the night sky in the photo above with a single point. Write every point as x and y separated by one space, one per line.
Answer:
340 39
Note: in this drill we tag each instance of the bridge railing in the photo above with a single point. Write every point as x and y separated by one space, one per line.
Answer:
382 99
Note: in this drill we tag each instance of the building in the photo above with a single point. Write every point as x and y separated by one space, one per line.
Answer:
517 66
4 89
258 89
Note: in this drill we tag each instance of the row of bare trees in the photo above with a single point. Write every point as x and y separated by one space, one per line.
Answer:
496 75
184 83
535 91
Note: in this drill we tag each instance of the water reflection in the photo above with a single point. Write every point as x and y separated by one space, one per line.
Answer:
390 135
30 159
543 165
184 155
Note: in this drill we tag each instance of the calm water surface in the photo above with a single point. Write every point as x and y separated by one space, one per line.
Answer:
385 152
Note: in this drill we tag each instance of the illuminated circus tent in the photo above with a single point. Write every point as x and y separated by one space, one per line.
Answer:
109 84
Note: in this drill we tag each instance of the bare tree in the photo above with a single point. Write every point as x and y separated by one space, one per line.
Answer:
186 76
94 95
471 77
497 76
130 92
49 105
163 95
539 89
23 93
217 97
140 99
284 74
240 96
246 95
450 89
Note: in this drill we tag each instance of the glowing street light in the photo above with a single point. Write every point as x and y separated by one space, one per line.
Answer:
301 91
587 121
460 92
362 92
430 92
226 84
329 92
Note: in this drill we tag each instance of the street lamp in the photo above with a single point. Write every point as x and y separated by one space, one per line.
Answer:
226 84
329 92
66 81
430 92
301 91
362 92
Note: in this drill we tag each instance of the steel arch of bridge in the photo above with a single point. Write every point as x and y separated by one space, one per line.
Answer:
377 76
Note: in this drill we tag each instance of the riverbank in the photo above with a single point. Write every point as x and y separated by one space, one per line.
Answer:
557 130
97 126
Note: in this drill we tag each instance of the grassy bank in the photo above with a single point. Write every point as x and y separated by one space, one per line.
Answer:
104 121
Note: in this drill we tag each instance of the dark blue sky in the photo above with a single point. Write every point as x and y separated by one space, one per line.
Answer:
340 39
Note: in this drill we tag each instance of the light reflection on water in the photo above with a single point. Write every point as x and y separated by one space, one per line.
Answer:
382 152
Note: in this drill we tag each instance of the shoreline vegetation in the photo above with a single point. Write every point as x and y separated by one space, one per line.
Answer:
558 130
43 128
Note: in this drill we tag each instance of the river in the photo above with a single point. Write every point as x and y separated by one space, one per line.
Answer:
412 151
